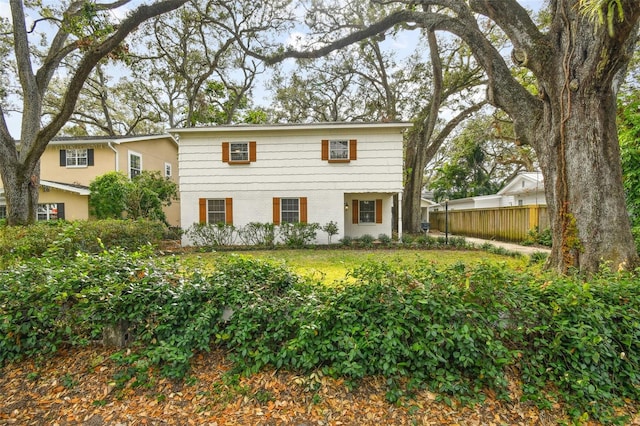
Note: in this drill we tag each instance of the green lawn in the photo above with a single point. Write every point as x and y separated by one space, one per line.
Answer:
331 265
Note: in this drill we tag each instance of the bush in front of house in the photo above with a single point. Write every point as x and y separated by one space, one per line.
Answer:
207 235
68 237
293 235
258 234
298 235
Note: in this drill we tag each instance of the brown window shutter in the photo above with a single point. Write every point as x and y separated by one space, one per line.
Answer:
354 212
379 210
252 151
353 153
202 202
228 207
225 152
276 211
325 149
303 210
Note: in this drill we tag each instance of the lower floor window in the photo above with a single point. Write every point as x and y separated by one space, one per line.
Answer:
3 212
49 212
216 211
367 211
290 210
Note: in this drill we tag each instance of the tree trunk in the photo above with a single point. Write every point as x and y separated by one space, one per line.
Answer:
412 194
580 159
21 193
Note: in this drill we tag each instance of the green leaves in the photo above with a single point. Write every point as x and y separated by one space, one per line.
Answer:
114 196
455 330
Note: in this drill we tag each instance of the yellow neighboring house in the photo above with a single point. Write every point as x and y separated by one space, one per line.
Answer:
70 164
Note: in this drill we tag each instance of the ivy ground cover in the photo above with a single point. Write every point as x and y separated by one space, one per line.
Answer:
457 334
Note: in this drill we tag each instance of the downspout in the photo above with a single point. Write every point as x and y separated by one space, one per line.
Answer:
117 161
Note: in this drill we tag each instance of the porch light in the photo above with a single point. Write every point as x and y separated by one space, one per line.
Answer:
346 206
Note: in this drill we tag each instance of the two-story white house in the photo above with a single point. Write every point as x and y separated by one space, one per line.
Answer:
348 173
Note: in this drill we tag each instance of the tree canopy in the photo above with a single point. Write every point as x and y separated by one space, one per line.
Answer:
41 38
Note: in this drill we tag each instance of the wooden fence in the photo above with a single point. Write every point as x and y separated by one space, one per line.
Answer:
504 223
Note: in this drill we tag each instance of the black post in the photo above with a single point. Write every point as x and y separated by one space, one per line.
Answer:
446 222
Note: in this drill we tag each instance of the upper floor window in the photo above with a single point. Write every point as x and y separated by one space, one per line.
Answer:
76 157
135 164
167 170
239 152
339 150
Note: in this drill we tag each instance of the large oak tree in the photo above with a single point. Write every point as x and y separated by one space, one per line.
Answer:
77 27
570 121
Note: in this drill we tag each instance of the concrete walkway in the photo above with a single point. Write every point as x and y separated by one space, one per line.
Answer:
527 250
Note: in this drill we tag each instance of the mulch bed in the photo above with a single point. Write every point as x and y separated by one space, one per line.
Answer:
77 387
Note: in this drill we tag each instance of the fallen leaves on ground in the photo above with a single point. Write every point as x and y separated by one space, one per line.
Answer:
77 387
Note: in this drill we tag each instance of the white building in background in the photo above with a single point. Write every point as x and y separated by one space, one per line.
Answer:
526 189
348 173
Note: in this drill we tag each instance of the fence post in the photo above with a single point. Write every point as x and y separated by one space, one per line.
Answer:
534 217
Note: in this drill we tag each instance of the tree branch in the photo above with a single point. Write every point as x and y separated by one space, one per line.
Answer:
87 64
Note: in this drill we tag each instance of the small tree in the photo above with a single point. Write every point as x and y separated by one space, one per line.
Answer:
108 195
113 195
149 193
331 229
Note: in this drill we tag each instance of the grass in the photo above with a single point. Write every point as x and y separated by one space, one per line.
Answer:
329 266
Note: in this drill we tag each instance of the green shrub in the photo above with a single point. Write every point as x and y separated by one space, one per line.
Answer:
298 235
459 242
17 242
455 330
258 234
384 239
346 241
211 234
537 257
534 236
407 239
366 240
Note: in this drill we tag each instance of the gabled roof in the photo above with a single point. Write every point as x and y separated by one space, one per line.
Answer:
425 202
77 189
533 182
